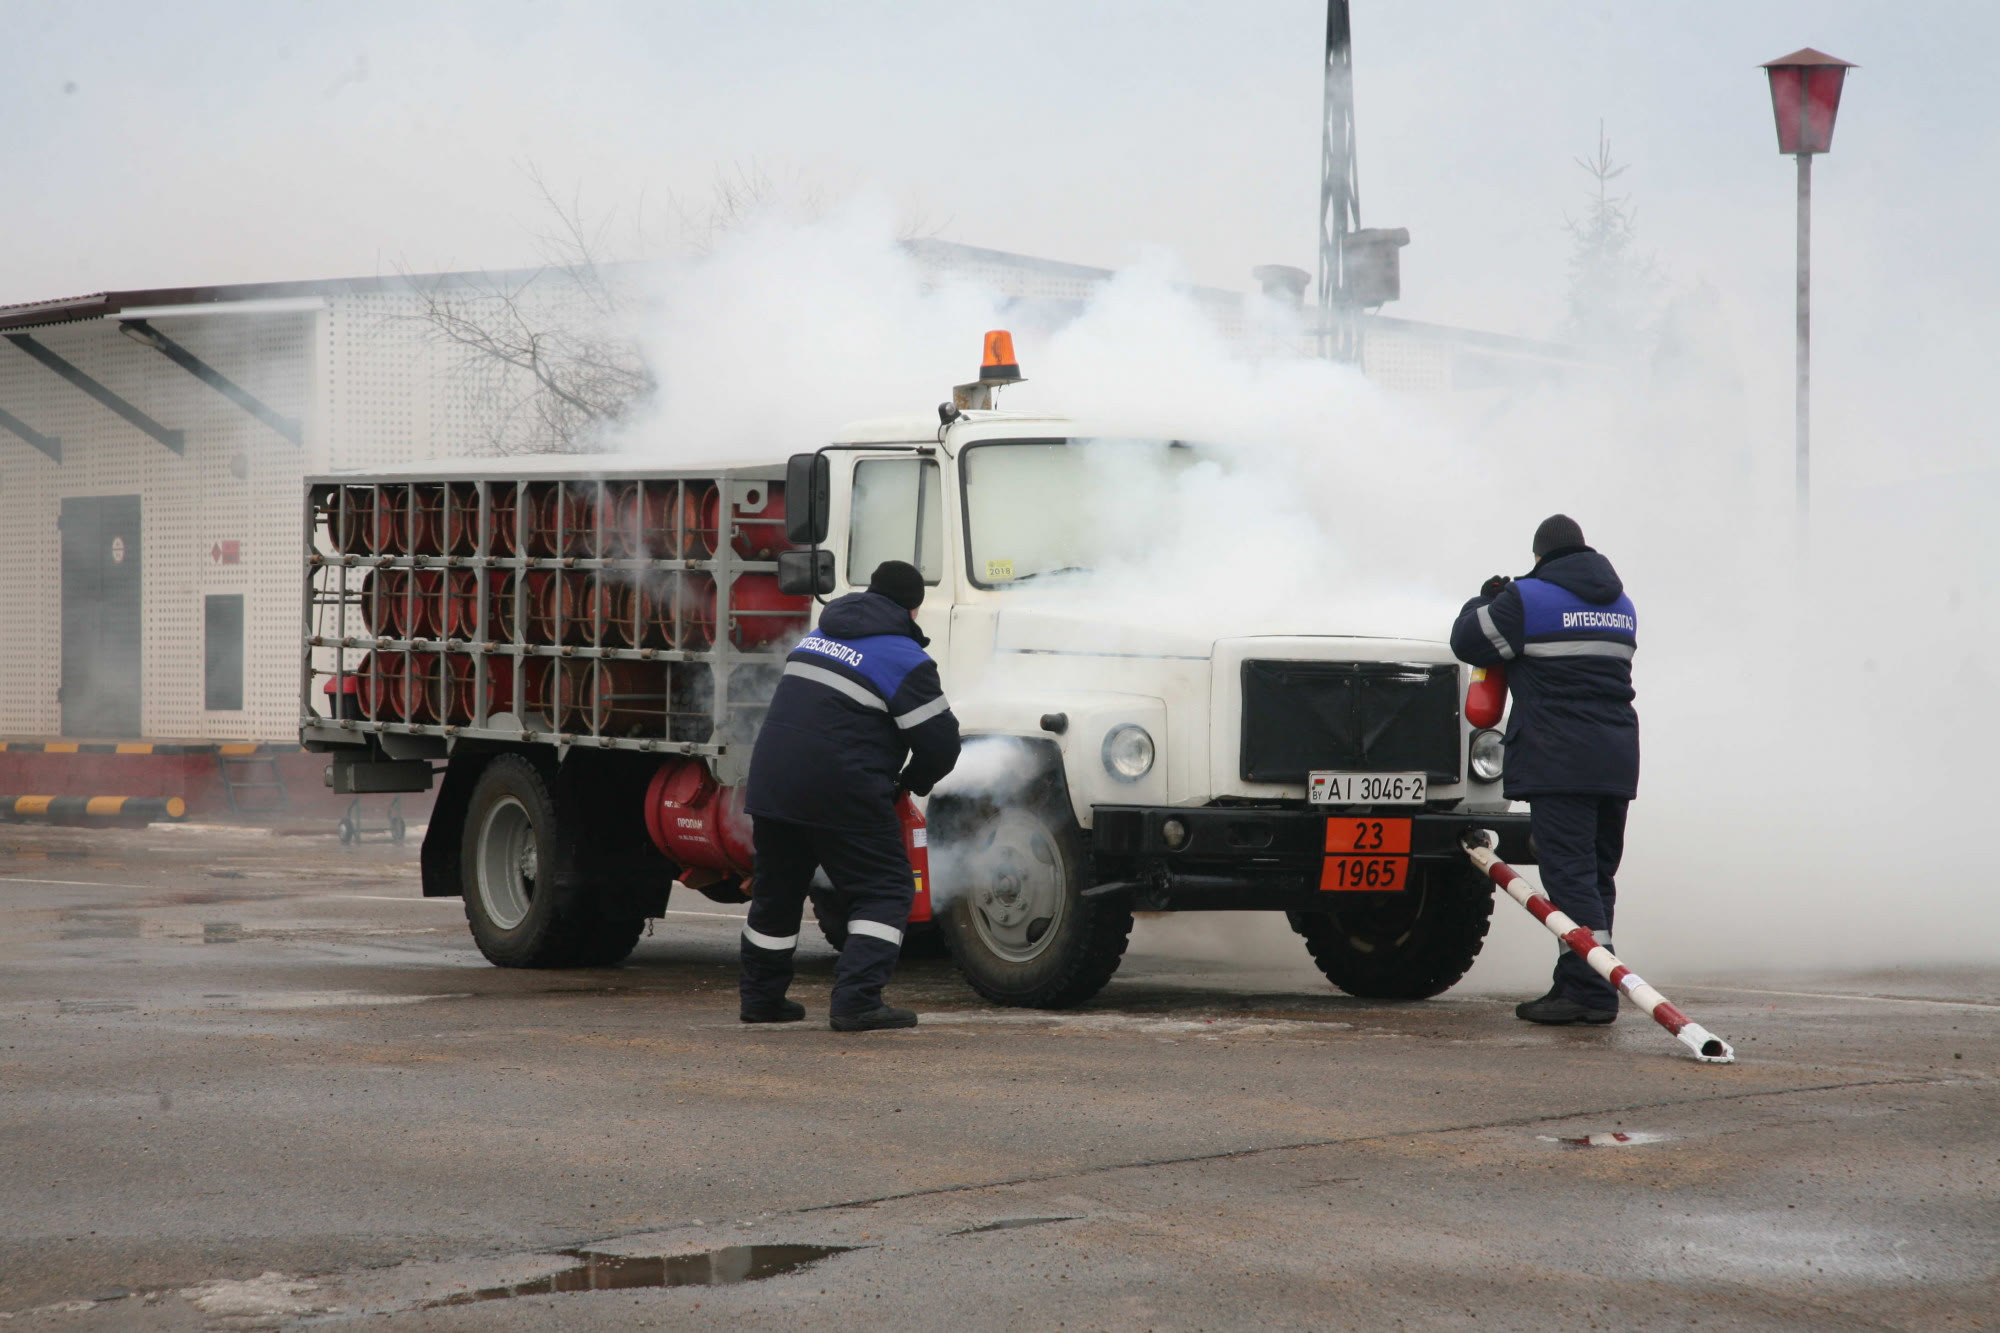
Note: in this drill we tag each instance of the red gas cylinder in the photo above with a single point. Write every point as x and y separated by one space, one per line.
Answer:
381 689
384 599
452 686
611 698
427 521
700 520
422 687
364 527
566 607
917 844
698 822
445 520
1486 697
760 615
682 611
501 507
429 602
625 618
461 605
499 685
500 608
538 682
390 533
759 522
562 519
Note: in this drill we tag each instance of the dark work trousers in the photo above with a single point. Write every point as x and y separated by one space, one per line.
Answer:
1580 840
871 873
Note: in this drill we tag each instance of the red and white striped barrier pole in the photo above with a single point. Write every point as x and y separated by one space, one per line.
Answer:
1707 1047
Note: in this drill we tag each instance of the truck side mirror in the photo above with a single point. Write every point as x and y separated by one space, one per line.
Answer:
808 499
805 573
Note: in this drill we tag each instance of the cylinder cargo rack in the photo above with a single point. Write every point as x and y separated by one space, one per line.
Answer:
622 612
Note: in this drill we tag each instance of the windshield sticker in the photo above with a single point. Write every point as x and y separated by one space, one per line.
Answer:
999 569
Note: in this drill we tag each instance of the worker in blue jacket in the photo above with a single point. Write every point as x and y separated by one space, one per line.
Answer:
1566 632
858 716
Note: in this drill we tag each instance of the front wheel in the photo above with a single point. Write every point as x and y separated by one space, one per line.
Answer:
1016 922
1401 946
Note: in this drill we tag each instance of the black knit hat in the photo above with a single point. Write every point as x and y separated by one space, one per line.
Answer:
899 581
1558 531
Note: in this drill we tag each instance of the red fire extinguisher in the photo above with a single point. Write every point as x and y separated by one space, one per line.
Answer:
1486 697
917 845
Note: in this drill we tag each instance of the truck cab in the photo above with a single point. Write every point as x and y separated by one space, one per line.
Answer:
1120 760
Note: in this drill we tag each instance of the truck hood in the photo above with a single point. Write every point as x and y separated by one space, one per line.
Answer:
1091 628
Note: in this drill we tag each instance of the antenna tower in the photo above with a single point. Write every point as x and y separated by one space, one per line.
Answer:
1339 191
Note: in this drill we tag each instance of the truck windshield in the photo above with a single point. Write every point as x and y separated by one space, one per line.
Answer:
1040 508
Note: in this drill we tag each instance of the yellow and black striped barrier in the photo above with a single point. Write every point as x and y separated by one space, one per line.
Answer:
231 748
100 807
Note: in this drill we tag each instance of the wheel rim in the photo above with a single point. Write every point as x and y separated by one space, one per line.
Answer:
508 863
1385 927
1018 887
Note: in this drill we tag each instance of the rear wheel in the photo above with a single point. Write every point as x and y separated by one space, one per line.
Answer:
1017 923
1402 946
514 852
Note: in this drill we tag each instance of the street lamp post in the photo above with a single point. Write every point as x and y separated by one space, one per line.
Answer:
1805 95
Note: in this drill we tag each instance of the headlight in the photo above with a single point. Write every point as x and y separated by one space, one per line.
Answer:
1128 753
1489 755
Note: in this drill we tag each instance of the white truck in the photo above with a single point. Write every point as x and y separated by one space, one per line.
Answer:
583 649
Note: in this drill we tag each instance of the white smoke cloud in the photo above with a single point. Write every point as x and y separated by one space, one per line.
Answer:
1816 736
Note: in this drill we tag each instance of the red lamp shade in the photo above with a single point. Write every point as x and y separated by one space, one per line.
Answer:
1805 94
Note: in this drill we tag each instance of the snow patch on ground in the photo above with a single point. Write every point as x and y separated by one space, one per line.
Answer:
266 1296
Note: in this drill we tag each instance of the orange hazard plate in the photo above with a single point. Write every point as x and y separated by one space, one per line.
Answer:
1366 856
1367 837
1365 874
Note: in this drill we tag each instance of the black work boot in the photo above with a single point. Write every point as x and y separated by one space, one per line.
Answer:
872 1020
781 1011
1555 1010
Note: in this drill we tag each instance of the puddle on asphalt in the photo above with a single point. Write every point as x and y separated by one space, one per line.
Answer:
1010 1224
1612 1139
606 1272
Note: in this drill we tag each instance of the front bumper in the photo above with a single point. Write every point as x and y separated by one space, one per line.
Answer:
1258 858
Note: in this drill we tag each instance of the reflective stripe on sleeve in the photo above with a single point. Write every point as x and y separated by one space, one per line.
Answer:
1581 648
772 942
861 694
923 713
1493 634
875 930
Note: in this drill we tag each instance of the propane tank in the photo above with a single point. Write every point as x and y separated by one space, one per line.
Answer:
917 844
698 822
1486 697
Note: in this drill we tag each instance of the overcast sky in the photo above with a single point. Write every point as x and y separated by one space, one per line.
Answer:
154 144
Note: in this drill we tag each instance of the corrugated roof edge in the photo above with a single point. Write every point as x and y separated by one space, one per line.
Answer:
70 309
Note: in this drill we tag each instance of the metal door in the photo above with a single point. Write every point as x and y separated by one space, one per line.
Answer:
100 616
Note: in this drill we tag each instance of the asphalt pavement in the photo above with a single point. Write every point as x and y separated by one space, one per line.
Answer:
253 1080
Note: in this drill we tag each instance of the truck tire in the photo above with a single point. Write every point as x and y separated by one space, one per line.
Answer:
1017 924
515 852
1402 946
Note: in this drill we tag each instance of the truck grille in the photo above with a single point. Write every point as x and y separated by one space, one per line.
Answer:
1366 717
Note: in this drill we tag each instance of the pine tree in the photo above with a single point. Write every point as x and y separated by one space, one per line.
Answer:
1612 286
